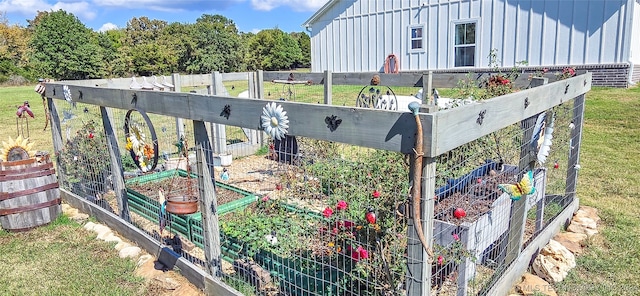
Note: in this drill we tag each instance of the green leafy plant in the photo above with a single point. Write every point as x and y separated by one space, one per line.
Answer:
83 160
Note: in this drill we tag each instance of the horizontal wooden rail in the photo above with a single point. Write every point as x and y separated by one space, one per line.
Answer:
455 127
386 130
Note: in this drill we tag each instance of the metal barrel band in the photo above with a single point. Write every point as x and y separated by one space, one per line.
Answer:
7 195
8 164
42 167
30 208
27 176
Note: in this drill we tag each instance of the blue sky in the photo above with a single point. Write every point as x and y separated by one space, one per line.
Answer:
248 15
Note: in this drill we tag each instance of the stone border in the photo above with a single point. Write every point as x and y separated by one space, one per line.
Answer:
191 272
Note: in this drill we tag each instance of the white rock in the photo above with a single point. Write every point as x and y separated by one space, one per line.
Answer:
112 238
89 226
104 233
121 245
531 285
99 228
130 252
554 262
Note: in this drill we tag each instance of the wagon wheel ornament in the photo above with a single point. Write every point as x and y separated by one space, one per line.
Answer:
376 97
143 152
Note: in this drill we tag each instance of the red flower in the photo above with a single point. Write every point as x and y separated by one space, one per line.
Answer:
505 81
456 237
265 198
440 260
90 135
341 205
358 253
362 252
376 194
327 212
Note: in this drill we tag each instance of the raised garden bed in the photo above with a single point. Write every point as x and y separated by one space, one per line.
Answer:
488 211
142 196
300 261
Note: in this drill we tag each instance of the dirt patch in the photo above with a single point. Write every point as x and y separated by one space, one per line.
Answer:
476 199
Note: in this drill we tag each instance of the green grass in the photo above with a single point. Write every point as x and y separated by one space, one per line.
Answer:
64 259
609 181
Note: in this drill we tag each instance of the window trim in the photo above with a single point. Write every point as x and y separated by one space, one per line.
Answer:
410 39
452 42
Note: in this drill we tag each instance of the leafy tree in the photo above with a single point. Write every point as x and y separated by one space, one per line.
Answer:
64 48
304 42
144 51
273 50
217 45
14 42
110 41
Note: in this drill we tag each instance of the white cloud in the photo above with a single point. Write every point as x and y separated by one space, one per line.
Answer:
107 27
159 5
80 9
24 7
29 8
308 5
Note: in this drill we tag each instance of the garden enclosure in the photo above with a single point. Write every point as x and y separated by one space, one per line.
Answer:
319 197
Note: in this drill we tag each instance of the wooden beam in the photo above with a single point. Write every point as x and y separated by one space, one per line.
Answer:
518 214
457 126
116 165
328 84
386 130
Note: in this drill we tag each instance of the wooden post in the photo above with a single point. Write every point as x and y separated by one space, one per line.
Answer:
116 165
56 135
518 215
262 140
328 81
208 200
427 85
574 150
218 131
175 79
418 262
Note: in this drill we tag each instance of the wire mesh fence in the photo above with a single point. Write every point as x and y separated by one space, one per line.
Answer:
302 216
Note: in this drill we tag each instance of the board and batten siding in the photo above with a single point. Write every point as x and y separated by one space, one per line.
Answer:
357 35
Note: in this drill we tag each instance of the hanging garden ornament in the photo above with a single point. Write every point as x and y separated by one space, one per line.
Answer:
545 146
67 93
370 216
274 120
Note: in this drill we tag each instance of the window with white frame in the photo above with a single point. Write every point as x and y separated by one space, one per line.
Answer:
416 38
464 45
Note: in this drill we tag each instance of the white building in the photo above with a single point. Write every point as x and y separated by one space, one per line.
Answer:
602 36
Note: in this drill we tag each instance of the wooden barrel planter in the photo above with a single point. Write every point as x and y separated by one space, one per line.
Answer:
29 193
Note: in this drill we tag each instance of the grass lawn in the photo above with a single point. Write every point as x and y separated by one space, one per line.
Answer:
608 180
63 259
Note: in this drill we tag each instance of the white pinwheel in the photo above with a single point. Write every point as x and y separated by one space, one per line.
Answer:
274 120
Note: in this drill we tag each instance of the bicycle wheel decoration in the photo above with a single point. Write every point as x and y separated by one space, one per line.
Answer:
143 150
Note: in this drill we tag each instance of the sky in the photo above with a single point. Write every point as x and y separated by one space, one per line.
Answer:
101 15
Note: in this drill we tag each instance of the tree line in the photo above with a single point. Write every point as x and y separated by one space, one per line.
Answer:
56 44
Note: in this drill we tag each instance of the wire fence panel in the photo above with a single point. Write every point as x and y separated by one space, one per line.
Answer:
294 215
